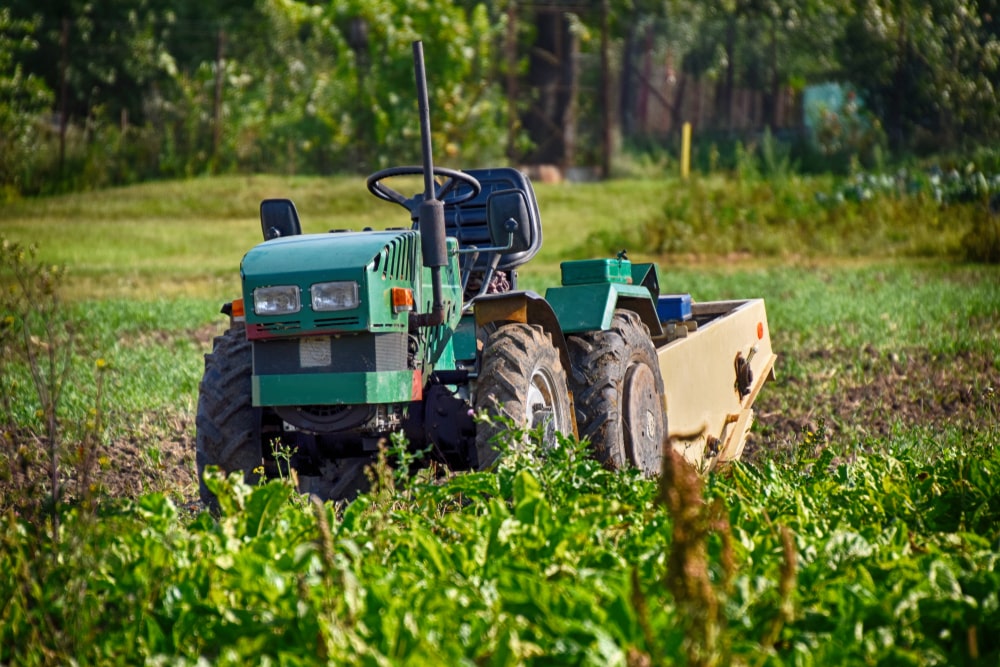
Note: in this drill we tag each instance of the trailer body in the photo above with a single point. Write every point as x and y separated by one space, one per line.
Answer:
709 411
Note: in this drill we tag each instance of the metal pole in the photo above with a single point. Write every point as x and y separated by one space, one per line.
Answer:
433 244
425 120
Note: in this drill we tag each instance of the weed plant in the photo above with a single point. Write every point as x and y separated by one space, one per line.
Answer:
35 338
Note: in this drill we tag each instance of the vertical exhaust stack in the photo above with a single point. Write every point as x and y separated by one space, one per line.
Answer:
431 214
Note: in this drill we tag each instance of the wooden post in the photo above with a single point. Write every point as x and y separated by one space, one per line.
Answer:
686 150
644 84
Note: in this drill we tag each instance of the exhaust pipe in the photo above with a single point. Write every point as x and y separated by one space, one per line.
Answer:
431 214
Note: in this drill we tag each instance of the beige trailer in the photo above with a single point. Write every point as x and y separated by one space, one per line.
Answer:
709 402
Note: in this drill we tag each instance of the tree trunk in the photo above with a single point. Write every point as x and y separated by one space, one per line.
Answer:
510 62
724 103
551 78
626 96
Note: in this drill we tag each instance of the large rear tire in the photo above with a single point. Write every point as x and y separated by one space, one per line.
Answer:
521 378
618 393
227 429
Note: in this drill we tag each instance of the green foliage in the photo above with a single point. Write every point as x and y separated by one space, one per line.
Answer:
785 215
927 69
893 558
889 568
982 242
849 136
23 97
182 89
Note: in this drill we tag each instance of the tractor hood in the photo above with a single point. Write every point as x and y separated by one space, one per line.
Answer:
284 281
317 253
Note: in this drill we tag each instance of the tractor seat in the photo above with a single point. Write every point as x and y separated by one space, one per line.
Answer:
467 221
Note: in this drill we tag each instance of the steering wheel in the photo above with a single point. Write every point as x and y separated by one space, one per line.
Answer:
412 204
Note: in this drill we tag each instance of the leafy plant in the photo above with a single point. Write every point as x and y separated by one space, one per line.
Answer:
890 556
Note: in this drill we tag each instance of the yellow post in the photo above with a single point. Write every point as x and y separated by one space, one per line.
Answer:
685 150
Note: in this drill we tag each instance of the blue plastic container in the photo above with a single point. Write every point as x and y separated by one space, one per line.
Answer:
674 307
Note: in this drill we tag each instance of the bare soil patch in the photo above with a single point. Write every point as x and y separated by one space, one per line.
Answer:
876 395
155 456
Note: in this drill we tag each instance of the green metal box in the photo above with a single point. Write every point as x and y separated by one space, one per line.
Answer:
596 271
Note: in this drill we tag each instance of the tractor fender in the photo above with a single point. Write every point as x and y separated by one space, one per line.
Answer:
582 308
525 307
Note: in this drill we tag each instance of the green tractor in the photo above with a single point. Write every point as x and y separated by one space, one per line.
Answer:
345 338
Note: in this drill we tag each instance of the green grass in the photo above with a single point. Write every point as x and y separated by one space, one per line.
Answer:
877 448
179 238
185 238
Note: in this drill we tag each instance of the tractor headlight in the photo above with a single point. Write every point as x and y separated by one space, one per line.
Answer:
341 295
278 300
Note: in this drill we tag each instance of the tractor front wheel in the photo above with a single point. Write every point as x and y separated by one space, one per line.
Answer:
227 428
521 378
618 392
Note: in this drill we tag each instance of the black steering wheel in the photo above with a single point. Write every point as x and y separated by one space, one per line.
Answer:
412 204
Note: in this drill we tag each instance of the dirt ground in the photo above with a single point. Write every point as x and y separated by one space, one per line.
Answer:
834 403
877 396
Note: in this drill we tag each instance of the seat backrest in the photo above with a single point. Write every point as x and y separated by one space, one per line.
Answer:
467 221
278 218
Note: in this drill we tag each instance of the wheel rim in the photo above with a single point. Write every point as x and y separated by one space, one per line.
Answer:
643 417
541 406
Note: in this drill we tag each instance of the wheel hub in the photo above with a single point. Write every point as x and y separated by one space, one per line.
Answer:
642 414
539 405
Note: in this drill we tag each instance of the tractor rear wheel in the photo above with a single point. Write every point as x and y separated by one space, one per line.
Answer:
618 393
227 428
521 378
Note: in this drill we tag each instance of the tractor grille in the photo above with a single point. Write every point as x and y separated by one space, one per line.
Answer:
358 353
398 258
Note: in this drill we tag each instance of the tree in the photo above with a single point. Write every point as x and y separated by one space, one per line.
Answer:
23 99
928 69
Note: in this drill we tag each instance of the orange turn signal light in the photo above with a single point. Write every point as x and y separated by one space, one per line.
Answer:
402 299
238 312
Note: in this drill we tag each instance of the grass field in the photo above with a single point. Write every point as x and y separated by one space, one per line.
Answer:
863 529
